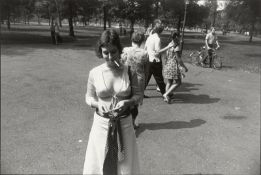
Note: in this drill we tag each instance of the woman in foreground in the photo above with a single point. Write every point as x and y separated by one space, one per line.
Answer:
112 90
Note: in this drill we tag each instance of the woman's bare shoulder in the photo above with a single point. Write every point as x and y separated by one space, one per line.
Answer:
96 69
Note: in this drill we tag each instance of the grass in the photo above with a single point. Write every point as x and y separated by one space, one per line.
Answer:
236 52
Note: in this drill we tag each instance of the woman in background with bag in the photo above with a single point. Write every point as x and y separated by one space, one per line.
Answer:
137 58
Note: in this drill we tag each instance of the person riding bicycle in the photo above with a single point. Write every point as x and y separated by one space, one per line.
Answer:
210 41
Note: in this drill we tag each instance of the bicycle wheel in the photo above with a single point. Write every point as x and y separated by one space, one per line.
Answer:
195 59
217 63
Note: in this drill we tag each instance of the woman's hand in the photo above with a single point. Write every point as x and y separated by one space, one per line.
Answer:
102 109
121 106
186 69
171 44
156 54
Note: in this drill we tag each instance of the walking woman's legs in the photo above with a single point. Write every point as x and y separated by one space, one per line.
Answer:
169 83
171 87
174 86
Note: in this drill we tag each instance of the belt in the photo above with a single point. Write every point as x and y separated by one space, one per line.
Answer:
114 150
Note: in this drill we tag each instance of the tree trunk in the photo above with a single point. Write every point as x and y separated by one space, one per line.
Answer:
146 23
179 24
206 29
214 18
59 18
214 13
132 27
70 20
104 17
8 22
157 10
24 19
109 22
164 8
71 32
183 28
252 31
38 17
74 21
147 19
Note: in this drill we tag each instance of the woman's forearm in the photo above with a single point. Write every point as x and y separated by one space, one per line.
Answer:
129 102
92 102
164 49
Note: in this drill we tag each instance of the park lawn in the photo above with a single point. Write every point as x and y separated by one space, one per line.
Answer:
213 126
236 52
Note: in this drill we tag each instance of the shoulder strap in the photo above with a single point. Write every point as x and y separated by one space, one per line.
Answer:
130 77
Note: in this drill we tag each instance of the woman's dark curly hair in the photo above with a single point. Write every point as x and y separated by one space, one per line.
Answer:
108 37
138 37
175 35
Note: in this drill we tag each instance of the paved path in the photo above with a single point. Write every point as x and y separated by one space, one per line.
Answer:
212 127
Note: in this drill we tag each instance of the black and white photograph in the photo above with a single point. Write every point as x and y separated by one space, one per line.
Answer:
130 87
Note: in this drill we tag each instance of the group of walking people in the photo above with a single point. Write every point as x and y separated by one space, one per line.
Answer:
116 89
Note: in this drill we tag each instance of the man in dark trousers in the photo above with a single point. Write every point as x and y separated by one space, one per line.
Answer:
153 45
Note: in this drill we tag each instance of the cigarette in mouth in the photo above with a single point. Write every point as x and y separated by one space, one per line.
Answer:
116 63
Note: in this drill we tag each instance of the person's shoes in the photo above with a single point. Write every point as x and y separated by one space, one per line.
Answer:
202 64
145 96
158 89
171 95
166 99
136 126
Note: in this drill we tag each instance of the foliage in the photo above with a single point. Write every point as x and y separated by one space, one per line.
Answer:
9 11
245 13
87 9
196 14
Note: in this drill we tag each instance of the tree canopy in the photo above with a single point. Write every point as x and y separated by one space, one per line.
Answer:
244 14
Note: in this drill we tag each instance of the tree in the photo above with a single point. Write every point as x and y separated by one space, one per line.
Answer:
9 9
147 13
47 9
196 14
213 5
175 12
70 11
87 9
246 13
27 9
131 10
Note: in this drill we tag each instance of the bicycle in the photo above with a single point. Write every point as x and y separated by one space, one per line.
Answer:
199 58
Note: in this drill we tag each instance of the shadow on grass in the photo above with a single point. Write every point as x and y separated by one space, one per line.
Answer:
46 29
242 43
202 174
233 117
25 42
185 87
253 55
186 97
195 99
169 125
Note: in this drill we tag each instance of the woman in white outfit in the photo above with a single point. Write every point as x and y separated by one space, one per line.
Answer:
112 89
